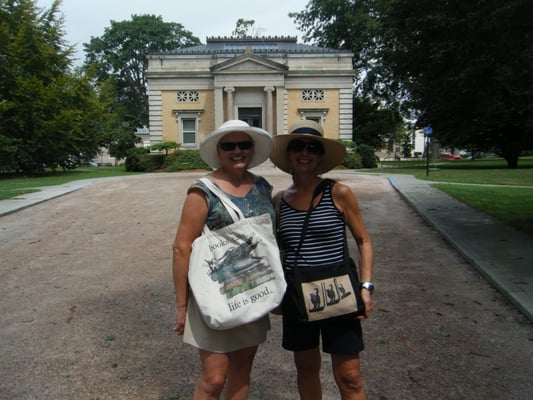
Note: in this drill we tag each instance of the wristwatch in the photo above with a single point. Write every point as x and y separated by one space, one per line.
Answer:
368 286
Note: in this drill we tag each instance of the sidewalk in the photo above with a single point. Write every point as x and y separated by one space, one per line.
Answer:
45 193
500 253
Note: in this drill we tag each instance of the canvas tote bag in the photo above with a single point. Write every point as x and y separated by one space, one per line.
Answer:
235 272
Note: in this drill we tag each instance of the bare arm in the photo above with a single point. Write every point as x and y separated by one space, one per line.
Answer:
193 217
347 203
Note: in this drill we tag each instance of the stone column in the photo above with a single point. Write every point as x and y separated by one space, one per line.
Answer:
269 117
229 102
219 106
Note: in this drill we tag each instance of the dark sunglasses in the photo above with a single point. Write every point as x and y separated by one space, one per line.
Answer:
298 145
229 146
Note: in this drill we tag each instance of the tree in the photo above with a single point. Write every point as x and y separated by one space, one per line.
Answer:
165 146
245 28
354 26
469 68
374 125
117 135
46 112
119 58
465 67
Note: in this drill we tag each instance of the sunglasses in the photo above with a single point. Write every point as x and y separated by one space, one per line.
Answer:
229 146
297 146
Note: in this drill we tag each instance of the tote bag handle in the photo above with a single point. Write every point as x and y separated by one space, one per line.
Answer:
224 199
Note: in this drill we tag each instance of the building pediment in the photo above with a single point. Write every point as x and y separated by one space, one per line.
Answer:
249 63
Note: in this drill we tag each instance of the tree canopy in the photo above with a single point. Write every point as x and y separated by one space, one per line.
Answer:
376 126
47 114
469 69
245 28
119 57
464 67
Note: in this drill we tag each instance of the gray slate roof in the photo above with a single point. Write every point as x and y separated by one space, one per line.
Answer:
257 45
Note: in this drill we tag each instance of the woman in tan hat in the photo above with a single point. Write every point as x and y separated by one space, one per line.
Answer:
306 154
226 355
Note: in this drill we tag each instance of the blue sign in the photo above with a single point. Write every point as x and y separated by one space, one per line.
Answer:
428 130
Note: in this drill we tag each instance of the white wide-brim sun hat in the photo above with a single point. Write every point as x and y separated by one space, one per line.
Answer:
261 138
305 129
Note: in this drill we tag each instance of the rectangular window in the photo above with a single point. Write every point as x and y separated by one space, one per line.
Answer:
188 131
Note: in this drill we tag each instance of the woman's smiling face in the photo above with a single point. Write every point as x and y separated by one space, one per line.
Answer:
235 150
304 155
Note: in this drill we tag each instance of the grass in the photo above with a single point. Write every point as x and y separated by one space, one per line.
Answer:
490 171
13 185
511 205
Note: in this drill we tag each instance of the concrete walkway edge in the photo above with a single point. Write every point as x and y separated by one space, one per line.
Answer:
503 255
45 193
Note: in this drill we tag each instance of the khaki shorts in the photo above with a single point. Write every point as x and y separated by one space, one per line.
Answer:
199 335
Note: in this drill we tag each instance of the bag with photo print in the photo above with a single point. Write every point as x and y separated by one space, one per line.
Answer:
327 292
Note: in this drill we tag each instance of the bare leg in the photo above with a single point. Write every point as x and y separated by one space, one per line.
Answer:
213 377
308 364
240 367
347 374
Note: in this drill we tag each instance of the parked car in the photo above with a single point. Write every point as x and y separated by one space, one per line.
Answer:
453 157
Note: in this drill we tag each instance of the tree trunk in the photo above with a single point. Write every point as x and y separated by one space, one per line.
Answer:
512 160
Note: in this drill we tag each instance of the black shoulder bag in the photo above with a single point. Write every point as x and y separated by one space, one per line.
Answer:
326 292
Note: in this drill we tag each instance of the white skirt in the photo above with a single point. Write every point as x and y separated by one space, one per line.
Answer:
199 335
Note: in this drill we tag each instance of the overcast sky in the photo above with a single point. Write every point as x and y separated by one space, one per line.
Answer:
204 18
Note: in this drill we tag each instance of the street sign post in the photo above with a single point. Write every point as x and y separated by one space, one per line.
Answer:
428 131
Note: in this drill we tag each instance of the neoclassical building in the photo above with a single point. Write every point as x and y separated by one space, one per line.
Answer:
270 82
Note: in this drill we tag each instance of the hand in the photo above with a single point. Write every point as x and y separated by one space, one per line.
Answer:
367 299
180 320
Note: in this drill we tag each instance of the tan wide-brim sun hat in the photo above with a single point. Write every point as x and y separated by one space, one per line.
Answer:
334 151
261 138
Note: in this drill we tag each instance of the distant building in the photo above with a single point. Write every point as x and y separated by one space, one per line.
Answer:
419 143
269 82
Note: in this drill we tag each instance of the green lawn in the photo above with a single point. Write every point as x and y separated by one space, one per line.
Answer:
492 171
15 185
511 205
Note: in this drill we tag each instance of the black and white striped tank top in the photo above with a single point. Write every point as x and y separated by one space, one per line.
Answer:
324 239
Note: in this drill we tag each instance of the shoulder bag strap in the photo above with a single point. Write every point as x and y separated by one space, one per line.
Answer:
277 200
319 189
234 211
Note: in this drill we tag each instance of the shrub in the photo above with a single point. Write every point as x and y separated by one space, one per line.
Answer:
150 162
185 159
156 161
140 159
359 156
352 161
133 159
368 157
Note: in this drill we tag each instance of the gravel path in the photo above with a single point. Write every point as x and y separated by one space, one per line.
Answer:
87 305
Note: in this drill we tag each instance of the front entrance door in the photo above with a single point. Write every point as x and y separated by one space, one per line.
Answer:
251 115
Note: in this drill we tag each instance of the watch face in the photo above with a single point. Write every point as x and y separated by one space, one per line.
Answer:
368 286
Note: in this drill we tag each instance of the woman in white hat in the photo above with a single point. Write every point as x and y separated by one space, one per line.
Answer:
226 355
306 154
